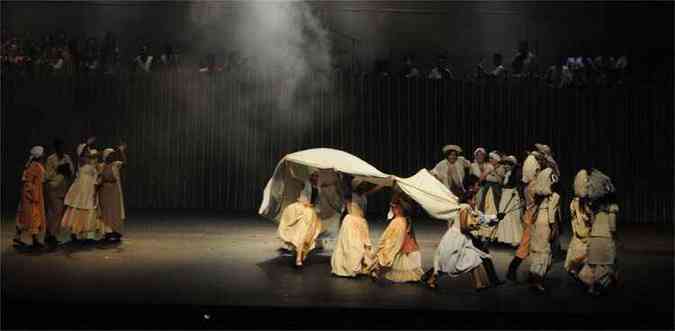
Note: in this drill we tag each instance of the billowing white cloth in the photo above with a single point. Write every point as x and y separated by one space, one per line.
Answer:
280 191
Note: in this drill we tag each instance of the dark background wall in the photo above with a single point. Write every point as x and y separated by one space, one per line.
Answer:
200 141
385 29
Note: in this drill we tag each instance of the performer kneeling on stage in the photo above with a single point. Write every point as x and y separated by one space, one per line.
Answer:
300 225
456 254
398 255
353 253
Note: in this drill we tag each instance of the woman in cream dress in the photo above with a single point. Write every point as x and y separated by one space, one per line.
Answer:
111 199
300 226
510 228
398 256
490 194
353 254
81 201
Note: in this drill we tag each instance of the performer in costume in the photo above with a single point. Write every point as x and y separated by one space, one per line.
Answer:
491 192
31 214
510 228
544 229
581 216
480 168
60 170
300 226
81 201
456 254
531 168
600 273
452 170
398 257
111 198
353 254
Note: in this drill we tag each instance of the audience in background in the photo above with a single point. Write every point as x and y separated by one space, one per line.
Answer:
60 54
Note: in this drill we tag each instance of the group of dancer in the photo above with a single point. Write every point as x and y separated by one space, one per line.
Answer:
498 201
84 199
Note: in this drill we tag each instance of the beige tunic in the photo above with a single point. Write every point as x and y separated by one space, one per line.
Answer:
578 248
540 244
601 247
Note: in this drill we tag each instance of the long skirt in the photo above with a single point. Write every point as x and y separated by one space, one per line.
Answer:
55 210
299 228
82 222
353 254
510 229
112 214
456 254
406 268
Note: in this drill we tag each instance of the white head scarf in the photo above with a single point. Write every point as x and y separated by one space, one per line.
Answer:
35 153
107 152
495 156
479 149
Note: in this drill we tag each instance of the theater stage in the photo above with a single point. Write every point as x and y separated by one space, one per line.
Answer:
187 269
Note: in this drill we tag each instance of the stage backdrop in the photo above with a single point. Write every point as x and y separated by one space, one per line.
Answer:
201 141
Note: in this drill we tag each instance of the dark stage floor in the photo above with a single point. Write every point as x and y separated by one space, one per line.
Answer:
189 269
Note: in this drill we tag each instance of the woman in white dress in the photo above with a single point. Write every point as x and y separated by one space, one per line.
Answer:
353 254
398 257
510 228
80 217
457 254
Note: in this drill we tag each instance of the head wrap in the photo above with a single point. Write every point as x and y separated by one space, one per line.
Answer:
107 152
479 149
449 148
512 159
495 156
35 153
93 153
